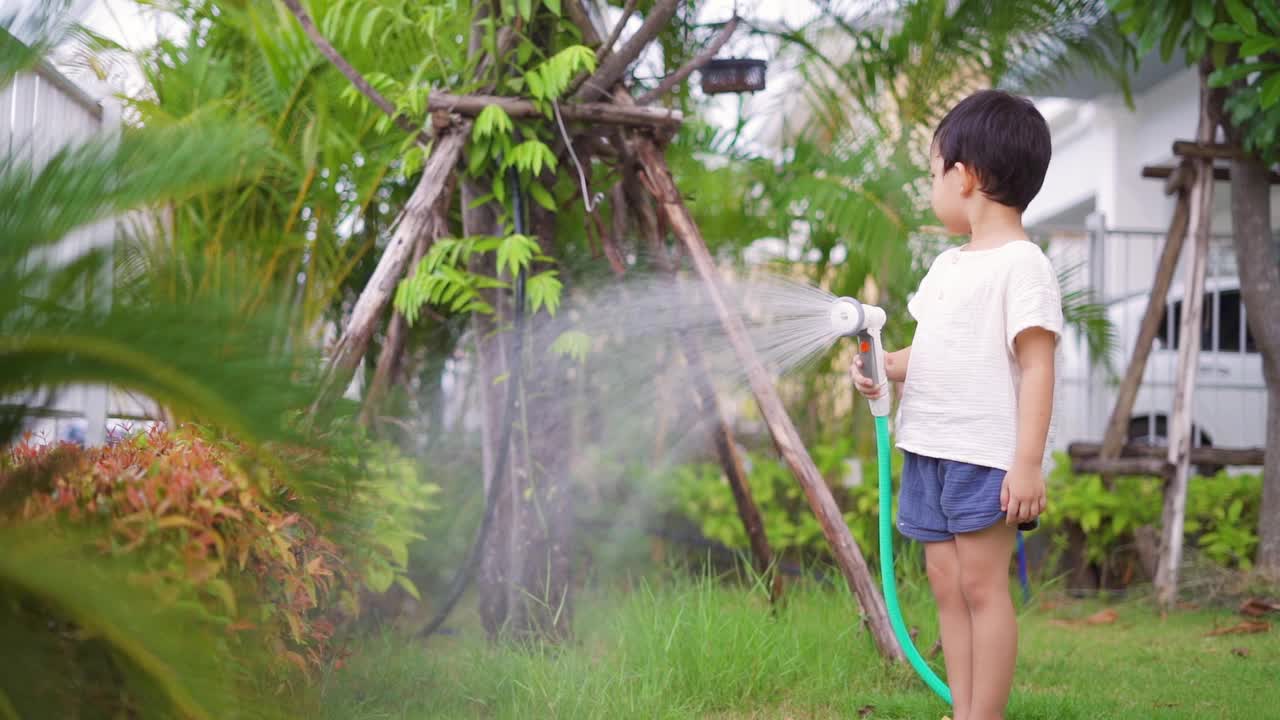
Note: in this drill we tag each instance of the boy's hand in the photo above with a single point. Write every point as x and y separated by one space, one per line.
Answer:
865 385
1022 496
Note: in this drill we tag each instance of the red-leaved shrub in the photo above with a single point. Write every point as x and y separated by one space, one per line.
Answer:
183 505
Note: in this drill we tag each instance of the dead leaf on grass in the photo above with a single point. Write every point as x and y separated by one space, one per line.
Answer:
866 710
1242 628
1240 652
1257 607
1102 617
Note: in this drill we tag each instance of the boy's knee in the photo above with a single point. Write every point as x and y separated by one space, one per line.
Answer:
945 581
982 590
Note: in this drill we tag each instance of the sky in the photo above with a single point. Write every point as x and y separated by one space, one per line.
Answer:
125 22
133 27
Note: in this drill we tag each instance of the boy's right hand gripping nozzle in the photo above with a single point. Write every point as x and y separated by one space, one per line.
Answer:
863 323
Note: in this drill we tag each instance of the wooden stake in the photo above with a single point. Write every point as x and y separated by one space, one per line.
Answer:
731 463
1161 172
329 51
590 112
414 221
702 58
725 444
389 360
785 437
614 66
1184 148
1175 501
1199 456
1118 426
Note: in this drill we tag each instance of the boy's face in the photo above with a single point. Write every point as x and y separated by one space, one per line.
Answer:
950 193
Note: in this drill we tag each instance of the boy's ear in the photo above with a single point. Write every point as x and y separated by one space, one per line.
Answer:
968 180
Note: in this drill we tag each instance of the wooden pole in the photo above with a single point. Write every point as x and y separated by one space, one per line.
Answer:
592 112
1161 172
785 437
414 221
702 58
613 66
1175 501
725 444
1183 148
731 463
389 360
1199 456
1118 426
357 80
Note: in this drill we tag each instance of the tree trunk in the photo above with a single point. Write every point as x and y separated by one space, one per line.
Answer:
493 355
785 437
546 492
1258 259
525 577
415 221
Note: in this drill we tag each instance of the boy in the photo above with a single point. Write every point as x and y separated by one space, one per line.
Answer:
977 398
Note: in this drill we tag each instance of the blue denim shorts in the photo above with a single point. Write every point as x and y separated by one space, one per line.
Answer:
942 498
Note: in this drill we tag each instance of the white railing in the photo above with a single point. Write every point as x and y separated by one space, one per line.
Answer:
1119 265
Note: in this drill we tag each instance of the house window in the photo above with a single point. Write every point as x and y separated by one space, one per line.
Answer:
1229 321
1170 326
1231 325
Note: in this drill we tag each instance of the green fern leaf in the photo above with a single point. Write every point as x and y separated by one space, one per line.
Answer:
572 343
579 57
366 30
515 252
541 196
544 289
536 84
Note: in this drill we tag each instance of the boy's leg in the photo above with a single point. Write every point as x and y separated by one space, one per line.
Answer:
984 580
943 565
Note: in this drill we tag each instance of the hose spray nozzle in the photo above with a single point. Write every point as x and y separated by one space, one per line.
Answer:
863 323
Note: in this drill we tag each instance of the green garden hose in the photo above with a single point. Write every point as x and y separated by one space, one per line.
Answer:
886 565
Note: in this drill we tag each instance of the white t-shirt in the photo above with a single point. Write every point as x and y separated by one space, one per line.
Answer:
960 398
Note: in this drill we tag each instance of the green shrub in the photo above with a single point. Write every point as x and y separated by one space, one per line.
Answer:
1221 520
1221 517
383 511
701 493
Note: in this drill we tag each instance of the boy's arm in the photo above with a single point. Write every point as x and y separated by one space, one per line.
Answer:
1023 496
895 370
895 364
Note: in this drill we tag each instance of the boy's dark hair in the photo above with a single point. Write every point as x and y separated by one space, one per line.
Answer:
1001 138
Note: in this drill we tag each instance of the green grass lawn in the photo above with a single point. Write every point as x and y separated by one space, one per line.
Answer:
698 649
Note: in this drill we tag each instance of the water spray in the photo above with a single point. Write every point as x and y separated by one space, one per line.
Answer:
863 323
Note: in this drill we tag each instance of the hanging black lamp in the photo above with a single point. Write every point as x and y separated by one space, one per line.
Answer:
733 75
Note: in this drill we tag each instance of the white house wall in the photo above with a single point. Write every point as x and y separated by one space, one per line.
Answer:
40 112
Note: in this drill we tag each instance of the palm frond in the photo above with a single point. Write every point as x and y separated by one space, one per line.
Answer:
170 656
1083 313
84 183
29 30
